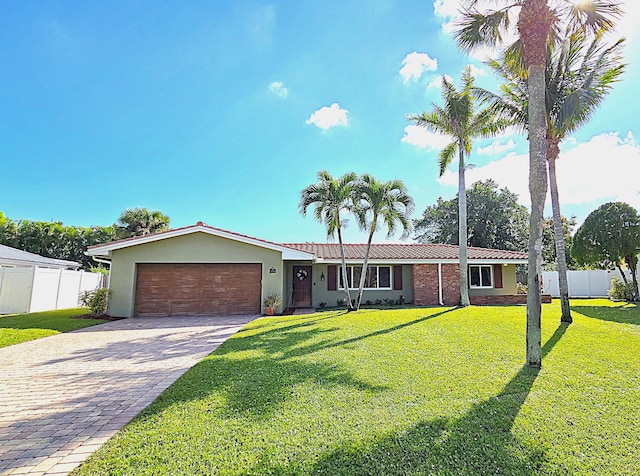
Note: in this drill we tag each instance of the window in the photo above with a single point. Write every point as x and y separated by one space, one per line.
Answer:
378 277
481 276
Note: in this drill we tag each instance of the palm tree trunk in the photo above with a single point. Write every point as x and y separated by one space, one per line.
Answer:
363 276
558 231
462 230
345 282
538 191
533 25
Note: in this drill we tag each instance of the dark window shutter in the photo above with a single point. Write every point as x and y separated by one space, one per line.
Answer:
332 282
497 275
397 278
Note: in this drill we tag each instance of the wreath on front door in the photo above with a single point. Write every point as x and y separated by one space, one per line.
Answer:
302 274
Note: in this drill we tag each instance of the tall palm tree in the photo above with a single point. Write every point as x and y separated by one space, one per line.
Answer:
537 23
458 119
579 74
377 202
331 196
142 221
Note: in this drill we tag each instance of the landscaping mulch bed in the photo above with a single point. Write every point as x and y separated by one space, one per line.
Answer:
104 317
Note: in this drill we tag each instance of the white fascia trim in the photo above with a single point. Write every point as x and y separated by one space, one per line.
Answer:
105 251
424 261
28 264
289 254
390 262
494 261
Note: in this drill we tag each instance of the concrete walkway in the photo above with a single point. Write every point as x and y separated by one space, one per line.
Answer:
63 396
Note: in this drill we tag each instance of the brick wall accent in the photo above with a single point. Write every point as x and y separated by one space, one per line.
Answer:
425 284
451 284
505 299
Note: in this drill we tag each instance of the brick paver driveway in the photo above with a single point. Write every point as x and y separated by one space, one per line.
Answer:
63 396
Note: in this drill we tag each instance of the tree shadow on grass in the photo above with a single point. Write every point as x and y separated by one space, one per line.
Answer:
481 442
257 372
625 313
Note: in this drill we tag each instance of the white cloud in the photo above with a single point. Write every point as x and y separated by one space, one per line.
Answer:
424 139
437 82
278 88
448 11
475 71
328 117
605 168
414 64
496 147
602 169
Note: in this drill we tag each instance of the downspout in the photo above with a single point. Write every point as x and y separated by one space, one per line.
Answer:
440 284
103 261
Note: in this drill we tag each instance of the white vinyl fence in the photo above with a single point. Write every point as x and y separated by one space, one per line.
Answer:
591 283
43 289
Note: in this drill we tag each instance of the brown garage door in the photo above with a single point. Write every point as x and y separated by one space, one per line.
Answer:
169 289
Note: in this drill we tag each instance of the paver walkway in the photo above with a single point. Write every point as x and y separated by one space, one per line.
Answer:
63 396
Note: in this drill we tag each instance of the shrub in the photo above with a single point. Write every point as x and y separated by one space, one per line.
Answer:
619 290
96 300
272 300
521 288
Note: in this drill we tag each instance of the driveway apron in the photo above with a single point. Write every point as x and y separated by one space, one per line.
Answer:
63 396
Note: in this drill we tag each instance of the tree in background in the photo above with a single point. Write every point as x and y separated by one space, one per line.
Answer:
494 216
459 120
579 74
379 203
549 247
610 236
537 24
141 221
331 197
56 240
53 239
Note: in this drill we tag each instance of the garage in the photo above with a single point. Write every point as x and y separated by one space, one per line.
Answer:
176 289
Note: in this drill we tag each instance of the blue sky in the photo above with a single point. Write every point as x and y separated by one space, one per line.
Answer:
224 111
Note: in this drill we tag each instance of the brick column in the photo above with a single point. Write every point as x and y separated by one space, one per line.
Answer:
425 284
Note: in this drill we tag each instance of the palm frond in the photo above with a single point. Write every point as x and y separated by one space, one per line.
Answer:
446 156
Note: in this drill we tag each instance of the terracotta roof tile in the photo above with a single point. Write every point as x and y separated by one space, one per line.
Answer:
403 251
379 251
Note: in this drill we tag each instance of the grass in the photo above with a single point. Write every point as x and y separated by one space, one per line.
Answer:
408 391
17 328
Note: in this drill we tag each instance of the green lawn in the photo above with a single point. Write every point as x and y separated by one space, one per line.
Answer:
16 328
405 391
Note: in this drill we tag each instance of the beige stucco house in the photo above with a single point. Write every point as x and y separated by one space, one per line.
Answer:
203 270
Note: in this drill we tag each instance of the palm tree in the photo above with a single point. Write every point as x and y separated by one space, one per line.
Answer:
376 202
458 119
537 23
578 75
331 196
142 221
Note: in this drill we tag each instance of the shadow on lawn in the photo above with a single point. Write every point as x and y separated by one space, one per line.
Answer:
481 442
258 371
623 314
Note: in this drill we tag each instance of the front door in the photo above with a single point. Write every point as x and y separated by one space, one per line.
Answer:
302 286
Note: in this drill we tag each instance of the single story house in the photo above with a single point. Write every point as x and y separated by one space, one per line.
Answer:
203 270
13 257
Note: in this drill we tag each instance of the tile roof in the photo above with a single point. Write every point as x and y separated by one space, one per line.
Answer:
408 251
172 232
330 251
14 255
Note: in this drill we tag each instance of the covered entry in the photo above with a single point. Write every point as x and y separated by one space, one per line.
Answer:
175 289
